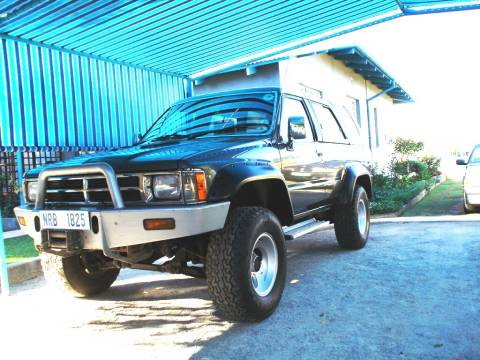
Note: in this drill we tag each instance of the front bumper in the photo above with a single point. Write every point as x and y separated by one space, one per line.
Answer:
472 193
472 198
124 227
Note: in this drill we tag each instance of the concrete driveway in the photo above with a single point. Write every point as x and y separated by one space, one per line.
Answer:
413 292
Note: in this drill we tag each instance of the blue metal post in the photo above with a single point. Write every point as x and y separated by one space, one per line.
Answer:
3 262
20 177
188 87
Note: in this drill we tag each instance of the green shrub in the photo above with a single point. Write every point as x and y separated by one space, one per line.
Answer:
420 169
407 147
403 169
433 164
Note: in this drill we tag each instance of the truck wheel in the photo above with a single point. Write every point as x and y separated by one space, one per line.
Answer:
78 274
246 264
352 221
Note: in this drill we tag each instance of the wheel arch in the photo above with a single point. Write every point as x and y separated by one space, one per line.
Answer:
254 184
355 174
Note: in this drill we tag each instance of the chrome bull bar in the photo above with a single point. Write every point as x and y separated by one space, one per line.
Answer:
86 169
103 168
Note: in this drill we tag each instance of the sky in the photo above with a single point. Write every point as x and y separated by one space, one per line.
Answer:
436 59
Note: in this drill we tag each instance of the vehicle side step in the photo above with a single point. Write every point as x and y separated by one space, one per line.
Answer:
304 228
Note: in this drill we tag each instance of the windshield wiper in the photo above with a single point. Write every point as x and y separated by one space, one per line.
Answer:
168 137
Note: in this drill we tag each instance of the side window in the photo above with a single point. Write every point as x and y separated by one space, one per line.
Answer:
353 107
348 125
331 130
293 107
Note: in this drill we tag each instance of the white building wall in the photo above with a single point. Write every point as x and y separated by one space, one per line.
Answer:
338 84
266 76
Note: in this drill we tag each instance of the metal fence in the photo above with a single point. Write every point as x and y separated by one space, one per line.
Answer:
9 174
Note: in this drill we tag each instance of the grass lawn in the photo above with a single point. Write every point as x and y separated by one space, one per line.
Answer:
19 248
445 199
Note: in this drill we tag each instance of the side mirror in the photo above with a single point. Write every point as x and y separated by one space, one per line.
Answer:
137 138
296 128
461 162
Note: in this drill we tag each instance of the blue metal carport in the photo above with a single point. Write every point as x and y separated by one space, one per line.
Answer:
88 74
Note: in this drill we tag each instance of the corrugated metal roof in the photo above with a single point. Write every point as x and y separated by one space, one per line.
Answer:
180 37
362 64
89 73
184 37
55 100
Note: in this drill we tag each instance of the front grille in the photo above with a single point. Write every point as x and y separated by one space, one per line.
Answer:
90 189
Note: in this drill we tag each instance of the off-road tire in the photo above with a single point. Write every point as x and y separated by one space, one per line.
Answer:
71 274
228 265
346 222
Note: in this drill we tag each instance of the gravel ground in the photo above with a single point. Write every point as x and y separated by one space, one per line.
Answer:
413 293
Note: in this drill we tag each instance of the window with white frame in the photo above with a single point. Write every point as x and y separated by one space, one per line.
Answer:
353 107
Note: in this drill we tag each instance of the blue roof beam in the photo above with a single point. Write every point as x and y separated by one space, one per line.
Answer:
416 7
363 65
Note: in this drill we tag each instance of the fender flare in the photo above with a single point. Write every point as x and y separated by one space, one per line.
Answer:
354 173
230 179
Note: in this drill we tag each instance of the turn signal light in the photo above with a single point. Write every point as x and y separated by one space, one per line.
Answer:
201 186
22 221
159 224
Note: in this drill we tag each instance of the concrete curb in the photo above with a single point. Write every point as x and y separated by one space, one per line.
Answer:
24 270
13 234
424 219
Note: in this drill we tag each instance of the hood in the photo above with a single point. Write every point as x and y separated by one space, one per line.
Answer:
168 155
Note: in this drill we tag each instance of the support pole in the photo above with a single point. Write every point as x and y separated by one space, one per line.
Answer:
20 177
3 262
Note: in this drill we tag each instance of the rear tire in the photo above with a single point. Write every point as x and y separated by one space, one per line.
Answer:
352 221
76 275
246 265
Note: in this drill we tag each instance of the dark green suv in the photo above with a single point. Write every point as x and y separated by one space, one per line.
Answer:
213 189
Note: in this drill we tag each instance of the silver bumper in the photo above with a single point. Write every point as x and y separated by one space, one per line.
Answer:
124 227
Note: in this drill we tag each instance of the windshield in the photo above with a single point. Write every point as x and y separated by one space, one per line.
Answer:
231 115
475 156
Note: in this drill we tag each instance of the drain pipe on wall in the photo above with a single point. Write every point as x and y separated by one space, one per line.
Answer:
390 88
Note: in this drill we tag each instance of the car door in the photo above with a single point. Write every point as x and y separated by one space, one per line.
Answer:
299 159
332 148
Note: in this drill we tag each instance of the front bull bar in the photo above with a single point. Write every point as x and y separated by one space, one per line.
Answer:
103 168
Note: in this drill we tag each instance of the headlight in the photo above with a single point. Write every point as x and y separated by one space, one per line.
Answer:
167 187
32 188
187 186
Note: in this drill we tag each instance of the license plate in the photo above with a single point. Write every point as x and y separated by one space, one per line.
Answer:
65 220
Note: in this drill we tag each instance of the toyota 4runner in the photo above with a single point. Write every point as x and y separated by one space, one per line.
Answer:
213 189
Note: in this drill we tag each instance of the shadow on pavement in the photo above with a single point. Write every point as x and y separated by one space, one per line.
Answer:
165 289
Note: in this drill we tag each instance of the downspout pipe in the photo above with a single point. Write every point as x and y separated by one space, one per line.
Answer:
390 88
